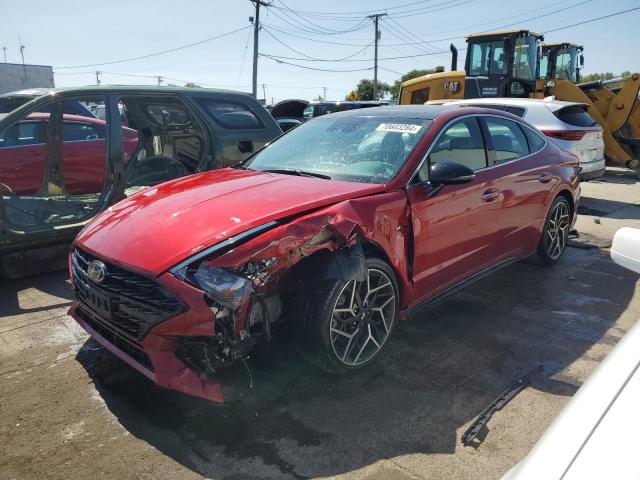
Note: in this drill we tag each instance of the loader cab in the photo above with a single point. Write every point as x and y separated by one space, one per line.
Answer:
561 61
501 64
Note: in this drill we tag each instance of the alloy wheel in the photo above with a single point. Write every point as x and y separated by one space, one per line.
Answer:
558 230
362 318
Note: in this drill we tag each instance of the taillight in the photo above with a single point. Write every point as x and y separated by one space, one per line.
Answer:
565 134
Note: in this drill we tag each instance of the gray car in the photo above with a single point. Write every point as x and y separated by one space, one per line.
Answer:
60 164
567 124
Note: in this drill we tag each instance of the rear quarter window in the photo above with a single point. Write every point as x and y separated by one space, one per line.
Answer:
231 115
536 141
517 111
575 115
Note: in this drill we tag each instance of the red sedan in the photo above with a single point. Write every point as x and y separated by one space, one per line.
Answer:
335 231
23 153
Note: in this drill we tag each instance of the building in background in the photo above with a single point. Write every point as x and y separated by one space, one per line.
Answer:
16 76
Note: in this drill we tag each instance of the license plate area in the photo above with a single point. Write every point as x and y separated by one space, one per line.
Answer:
96 301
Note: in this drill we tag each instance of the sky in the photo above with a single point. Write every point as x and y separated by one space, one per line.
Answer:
71 33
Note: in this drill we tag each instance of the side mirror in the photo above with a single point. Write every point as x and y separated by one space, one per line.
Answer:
450 173
625 250
581 61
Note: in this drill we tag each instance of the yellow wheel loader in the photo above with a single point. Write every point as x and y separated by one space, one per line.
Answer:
614 103
514 63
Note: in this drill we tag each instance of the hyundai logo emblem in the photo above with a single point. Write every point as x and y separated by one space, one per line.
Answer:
97 271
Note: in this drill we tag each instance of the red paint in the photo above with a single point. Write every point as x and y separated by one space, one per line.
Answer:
186 215
453 234
22 166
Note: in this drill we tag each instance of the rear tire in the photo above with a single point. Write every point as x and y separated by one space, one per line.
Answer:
555 233
346 325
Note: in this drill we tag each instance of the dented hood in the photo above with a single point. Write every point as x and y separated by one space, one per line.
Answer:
159 227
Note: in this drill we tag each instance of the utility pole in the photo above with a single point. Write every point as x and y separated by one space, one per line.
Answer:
24 68
375 19
324 90
264 93
98 73
4 49
256 29
159 80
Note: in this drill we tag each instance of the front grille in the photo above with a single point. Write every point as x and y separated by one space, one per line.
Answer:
126 301
131 348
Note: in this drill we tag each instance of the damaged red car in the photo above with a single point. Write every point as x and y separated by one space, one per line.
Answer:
334 231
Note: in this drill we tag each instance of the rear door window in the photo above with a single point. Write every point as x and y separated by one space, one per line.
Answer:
77 131
508 139
229 114
575 115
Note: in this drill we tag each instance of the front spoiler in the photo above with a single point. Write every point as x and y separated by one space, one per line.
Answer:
169 372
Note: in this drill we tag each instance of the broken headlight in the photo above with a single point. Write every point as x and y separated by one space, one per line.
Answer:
220 285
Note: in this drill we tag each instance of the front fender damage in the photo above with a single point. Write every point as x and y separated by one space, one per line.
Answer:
251 287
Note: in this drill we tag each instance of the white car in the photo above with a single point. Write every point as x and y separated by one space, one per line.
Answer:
567 124
595 436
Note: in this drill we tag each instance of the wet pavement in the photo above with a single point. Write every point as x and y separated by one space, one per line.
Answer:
69 409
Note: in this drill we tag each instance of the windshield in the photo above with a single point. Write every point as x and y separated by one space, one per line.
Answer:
524 61
566 64
358 149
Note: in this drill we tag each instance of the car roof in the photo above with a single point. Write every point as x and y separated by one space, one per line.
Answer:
30 92
549 102
349 102
426 112
93 89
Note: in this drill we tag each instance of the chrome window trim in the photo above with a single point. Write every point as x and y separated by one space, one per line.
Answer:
231 241
411 182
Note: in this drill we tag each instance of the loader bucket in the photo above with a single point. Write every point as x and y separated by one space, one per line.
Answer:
615 105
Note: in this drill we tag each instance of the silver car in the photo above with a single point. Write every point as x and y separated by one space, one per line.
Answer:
567 124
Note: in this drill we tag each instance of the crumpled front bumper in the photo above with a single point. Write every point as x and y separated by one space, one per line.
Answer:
154 356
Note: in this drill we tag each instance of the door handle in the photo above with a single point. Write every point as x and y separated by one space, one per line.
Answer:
545 177
245 146
490 195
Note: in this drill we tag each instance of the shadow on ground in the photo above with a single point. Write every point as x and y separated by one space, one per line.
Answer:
54 284
439 372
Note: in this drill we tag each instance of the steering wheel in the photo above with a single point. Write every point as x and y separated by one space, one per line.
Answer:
156 169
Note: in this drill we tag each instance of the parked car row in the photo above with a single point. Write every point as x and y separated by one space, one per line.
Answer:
188 269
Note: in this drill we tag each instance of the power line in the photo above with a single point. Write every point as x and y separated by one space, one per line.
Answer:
157 53
546 14
593 20
310 58
299 26
422 41
318 27
299 59
396 32
244 55
351 17
362 11
313 68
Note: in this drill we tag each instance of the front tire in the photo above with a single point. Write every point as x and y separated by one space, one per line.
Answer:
348 324
555 233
